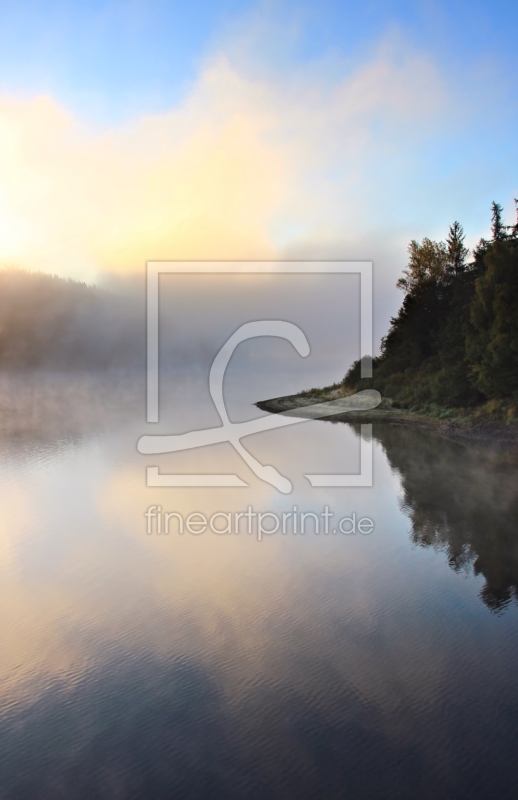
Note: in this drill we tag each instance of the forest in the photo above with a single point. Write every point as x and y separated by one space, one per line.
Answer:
454 342
53 323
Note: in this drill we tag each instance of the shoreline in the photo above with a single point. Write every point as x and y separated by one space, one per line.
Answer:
460 427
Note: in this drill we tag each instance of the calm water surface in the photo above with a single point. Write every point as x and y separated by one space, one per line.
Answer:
218 666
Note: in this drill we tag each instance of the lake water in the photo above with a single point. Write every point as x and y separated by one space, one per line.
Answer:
137 665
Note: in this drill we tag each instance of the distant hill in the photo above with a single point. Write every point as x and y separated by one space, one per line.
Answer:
47 322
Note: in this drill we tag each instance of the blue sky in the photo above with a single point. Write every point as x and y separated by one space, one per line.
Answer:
112 59
326 128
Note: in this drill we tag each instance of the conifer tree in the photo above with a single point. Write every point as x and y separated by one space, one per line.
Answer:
497 226
514 228
457 252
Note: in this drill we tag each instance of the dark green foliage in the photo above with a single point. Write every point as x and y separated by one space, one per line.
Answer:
492 332
454 342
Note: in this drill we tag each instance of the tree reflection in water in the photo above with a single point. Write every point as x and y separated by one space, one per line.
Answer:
462 498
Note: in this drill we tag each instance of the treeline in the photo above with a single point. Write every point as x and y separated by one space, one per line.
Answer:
454 342
47 322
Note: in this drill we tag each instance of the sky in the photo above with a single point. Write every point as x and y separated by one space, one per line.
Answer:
141 130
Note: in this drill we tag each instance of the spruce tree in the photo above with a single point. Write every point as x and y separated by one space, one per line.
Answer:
514 228
457 252
497 226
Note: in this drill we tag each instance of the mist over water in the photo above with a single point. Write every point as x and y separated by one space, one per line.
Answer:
142 663
219 666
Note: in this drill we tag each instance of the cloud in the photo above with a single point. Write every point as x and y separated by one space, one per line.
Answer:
245 167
